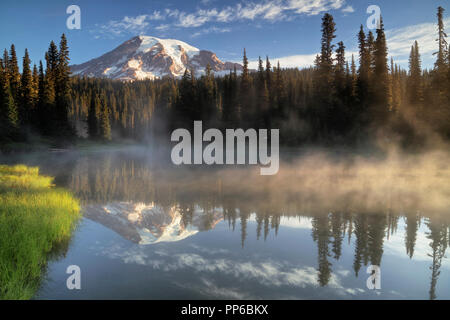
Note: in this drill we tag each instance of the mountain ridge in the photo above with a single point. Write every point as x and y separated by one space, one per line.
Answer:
147 57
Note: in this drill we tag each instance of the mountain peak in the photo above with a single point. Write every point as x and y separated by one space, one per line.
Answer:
148 57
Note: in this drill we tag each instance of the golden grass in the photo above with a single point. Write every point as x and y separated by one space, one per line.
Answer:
35 218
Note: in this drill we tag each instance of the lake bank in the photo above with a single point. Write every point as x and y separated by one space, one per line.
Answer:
36 220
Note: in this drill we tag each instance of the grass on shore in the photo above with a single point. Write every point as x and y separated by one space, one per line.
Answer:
35 218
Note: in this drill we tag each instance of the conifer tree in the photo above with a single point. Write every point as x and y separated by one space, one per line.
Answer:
245 83
396 87
261 78
52 61
62 88
13 74
371 51
364 68
326 55
105 126
415 90
35 76
441 78
262 102
324 81
269 80
47 107
40 106
27 92
208 99
246 108
382 93
92 119
280 94
5 63
2 97
354 79
440 64
340 67
10 115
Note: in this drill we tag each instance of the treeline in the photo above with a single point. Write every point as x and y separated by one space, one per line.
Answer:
335 101
36 101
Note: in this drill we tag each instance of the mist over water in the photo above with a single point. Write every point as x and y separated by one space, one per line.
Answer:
309 231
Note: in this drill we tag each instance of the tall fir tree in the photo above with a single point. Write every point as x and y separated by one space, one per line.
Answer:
364 68
245 103
262 103
62 89
441 78
208 104
92 119
26 92
340 68
10 116
442 52
14 74
381 86
415 88
324 81
105 126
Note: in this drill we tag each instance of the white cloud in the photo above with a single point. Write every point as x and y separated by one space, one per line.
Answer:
162 27
314 7
210 30
348 9
135 25
196 19
399 43
267 272
156 15
225 15
300 61
400 40
269 10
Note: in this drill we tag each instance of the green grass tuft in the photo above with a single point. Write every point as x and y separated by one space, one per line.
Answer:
35 218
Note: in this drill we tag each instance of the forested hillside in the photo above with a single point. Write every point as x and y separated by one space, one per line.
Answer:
334 102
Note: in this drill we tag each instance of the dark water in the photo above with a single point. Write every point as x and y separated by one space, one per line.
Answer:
153 231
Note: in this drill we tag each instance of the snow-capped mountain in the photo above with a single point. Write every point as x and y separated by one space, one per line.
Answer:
148 223
146 57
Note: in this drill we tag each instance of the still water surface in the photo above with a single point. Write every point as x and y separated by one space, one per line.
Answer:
153 231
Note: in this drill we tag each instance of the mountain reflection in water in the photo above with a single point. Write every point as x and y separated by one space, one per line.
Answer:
353 202
149 224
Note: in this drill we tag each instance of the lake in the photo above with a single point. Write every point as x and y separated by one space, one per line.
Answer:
156 231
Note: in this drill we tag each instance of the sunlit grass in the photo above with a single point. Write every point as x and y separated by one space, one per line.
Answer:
35 218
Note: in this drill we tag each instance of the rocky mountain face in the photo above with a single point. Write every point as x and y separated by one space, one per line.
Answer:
145 57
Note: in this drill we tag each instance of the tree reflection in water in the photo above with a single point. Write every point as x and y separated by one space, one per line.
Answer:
358 200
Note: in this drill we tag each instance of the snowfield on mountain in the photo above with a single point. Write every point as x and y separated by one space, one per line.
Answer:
145 57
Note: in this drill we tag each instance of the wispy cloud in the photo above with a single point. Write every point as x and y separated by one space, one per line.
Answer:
300 61
348 9
400 40
204 264
156 15
269 11
210 30
297 61
274 10
162 27
135 25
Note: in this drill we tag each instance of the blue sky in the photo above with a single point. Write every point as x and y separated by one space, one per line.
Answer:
286 30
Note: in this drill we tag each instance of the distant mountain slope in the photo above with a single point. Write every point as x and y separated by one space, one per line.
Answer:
146 57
